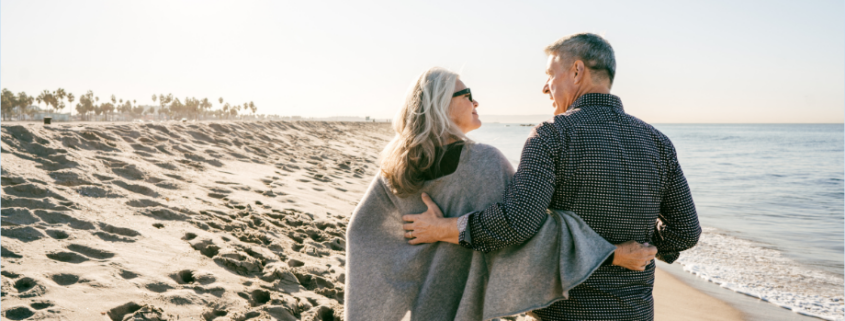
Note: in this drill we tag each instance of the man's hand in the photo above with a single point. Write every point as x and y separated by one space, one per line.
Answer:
430 226
634 256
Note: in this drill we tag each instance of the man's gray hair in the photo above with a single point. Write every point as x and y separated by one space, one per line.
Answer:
592 49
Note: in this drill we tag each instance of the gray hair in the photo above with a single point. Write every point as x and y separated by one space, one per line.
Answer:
421 125
592 49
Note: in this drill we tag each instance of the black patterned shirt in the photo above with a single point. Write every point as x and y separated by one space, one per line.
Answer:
620 175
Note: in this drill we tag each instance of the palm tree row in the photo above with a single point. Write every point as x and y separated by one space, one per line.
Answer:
20 105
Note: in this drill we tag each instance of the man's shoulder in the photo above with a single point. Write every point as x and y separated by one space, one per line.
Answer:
576 117
656 133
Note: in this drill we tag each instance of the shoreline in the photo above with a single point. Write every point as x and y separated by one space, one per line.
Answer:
677 300
748 307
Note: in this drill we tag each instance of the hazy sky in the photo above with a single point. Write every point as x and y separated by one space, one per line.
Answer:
677 61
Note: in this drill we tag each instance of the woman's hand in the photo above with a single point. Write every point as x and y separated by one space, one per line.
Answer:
430 226
634 256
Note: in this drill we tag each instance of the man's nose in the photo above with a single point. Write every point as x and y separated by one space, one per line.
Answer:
546 88
475 103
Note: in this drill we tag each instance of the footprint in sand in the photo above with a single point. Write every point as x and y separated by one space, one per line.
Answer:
8 252
65 279
18 313
130 172
91 252
158 287
256 297
117 313
140 189
32 191
51 217
40 305
25 234
206 247
140 202
28 287
176 177
213 314
67 257
97 192
184 277
163 213
113 233
128 275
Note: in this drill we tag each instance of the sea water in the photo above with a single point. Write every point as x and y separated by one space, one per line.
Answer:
770 199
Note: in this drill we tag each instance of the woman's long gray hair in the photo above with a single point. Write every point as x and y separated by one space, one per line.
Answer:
422 124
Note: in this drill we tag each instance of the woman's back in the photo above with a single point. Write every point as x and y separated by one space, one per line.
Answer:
387 278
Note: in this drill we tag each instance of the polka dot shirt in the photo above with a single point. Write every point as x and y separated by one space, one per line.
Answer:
617 173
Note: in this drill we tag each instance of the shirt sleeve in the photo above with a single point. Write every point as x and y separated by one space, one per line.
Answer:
522 211
677 226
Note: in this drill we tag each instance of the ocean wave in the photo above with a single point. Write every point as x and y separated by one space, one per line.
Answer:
756 270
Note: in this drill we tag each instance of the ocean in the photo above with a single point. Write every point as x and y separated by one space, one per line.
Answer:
770 200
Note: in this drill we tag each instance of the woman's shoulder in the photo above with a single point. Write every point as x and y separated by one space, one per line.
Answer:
483 148
480 152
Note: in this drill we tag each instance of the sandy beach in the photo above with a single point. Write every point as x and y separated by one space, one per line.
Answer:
203 221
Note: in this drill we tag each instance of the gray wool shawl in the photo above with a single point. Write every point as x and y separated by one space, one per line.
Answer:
389 279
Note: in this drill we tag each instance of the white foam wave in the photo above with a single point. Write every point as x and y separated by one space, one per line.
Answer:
749 268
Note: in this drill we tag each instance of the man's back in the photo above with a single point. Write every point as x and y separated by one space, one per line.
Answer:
620 175
613 171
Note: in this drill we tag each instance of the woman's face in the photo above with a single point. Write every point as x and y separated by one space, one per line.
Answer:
462 110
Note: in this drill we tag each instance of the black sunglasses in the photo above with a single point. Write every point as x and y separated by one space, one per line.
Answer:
463 92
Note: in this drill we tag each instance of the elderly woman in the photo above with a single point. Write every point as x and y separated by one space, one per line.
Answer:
389 278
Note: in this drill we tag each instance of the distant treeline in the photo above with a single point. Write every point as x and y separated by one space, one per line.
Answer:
20 106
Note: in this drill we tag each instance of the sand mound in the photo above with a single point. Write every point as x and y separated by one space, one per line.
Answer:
214 221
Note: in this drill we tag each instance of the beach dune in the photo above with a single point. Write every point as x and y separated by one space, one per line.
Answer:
215 221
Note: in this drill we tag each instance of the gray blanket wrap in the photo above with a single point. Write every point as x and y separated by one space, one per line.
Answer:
388 279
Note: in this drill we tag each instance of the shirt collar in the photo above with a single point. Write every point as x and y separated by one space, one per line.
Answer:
594 99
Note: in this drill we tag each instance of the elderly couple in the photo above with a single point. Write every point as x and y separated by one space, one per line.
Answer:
571 235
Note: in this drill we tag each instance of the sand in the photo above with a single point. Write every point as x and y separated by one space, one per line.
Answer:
676 301
194 221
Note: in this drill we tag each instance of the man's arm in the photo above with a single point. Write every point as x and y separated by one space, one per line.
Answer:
677 226
522 211
514 220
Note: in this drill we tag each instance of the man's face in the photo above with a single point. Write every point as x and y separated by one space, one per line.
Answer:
560 86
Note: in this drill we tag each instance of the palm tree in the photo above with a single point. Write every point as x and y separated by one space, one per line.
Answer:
8 103
45 97
252 107
98 109
23 101
111 107
205 105
58 100
162 102
86 104
70 99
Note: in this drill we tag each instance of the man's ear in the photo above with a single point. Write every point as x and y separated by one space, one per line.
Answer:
579 70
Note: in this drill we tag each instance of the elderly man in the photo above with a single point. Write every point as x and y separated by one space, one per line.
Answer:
618 173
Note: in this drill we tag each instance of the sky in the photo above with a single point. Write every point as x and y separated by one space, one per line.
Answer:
677 61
